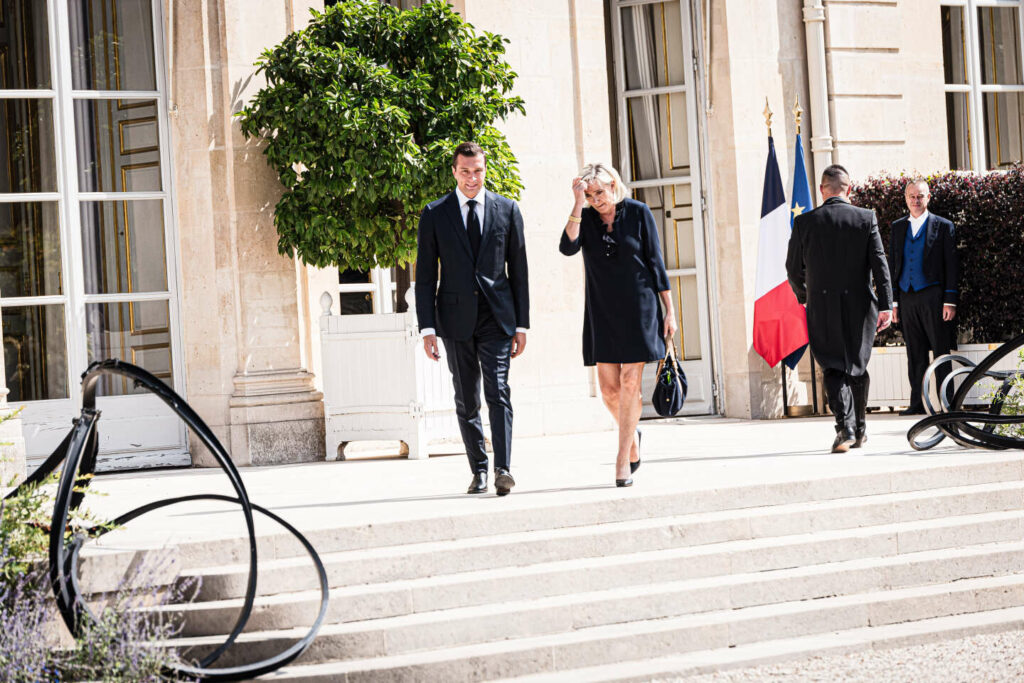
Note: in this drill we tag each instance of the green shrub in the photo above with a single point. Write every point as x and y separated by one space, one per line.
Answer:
360 115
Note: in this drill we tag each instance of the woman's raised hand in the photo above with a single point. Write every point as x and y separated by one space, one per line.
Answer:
579 191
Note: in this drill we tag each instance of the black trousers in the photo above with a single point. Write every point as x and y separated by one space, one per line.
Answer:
486 355
924 330
847 399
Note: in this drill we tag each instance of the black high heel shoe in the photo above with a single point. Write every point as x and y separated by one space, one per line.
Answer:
634 466
624 482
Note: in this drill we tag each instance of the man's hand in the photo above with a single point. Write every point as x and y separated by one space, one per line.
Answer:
518 344
948 312
430 347
884 320
895 315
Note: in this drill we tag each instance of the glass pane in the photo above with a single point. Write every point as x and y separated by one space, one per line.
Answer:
35 352
1004 113
652 45
958 128
999 43
26 146
137 332
123 246
659 144
355 303
954 45
29 249
24 45
112 44
675 223
689 316
118 145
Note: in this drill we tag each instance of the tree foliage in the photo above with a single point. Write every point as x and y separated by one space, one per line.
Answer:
361 112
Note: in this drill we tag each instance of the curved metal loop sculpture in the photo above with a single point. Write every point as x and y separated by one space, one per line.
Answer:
961 425
78 452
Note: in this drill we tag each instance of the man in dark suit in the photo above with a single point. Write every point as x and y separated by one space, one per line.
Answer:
482 307
833 252
925 269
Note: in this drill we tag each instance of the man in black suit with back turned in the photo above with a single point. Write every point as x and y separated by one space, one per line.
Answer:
482 307
833 252
925 269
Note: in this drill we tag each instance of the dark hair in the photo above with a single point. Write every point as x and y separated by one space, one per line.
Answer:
467 149
835 178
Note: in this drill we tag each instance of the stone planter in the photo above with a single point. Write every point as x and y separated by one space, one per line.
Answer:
890 387
378 383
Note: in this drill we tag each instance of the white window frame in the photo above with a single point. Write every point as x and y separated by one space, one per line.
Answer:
974 88
69 197
380 288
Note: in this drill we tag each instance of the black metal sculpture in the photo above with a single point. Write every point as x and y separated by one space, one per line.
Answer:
961 425
78 452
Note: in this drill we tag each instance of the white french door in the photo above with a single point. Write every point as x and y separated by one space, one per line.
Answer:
660 159
88 266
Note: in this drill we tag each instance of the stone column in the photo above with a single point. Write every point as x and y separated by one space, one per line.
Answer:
243 303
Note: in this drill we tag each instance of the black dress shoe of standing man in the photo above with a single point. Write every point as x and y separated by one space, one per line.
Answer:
479 483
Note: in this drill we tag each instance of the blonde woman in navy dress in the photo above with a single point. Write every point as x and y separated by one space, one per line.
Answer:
623 324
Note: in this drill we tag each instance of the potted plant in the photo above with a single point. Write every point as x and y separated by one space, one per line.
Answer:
359 116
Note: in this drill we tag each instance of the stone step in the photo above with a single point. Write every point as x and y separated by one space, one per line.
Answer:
516 639
725 542
376 601
111 555
756 654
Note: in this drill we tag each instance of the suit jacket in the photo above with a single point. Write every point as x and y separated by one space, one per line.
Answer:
941 263
834 251
450 303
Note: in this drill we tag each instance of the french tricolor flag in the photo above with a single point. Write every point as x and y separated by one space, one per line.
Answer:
780 322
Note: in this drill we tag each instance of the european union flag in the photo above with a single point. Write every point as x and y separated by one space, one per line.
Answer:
801 202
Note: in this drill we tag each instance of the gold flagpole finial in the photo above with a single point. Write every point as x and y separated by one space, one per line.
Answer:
798 114
767 116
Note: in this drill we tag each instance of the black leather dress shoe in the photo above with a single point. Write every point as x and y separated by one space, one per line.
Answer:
479 483
860 438
503 482
912 411
843 442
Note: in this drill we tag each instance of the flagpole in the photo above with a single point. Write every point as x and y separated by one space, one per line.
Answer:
798 113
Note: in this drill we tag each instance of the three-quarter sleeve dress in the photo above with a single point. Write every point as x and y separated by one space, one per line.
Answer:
622 318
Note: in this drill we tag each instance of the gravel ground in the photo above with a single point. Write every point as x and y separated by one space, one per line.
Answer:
988 658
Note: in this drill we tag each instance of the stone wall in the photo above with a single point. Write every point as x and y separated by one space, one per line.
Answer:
246 343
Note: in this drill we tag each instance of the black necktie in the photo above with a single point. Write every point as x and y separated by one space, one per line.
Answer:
473 228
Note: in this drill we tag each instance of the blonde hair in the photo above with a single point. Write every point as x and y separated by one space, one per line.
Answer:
607 176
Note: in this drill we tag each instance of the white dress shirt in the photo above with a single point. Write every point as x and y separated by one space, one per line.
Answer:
481 198
917 223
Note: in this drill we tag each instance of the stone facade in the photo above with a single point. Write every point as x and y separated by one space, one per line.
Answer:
249 314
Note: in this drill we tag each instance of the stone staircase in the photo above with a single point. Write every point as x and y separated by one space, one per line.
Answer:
637 587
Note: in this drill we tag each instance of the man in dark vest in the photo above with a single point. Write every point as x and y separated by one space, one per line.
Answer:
481 309
925 268
833 252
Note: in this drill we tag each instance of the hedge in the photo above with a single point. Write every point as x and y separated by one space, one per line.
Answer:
988 212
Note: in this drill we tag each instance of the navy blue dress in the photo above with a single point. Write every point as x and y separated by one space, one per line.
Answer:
622 319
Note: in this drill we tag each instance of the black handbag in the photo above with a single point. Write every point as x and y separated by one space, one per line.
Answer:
670 388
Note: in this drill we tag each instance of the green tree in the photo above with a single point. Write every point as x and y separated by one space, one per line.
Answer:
361 112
